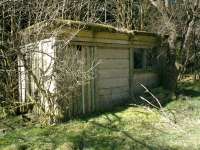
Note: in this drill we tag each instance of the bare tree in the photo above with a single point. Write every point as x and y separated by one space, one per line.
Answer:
18 15
178 20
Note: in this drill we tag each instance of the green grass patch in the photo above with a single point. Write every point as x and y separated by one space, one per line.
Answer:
176 126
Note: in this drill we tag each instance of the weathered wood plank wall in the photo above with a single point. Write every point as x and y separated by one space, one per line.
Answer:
112 76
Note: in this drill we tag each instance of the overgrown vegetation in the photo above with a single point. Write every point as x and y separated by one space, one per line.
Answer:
176 126
128 127
178 19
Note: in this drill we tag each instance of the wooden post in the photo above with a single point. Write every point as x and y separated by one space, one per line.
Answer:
131 68
144 59
83 83
93 90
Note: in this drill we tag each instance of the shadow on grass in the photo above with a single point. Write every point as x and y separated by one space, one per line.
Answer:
109 134
109 138
128 140
188 92
113 110
190 89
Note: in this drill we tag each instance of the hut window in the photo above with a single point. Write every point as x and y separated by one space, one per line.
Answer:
150 59
144 58
138 58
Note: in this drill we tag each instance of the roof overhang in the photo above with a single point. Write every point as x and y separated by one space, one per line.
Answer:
90 33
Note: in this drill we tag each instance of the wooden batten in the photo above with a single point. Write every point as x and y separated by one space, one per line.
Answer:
93 81
131 69
117 45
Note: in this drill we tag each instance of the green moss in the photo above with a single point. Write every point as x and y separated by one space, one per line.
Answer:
87 26
94 27
52 25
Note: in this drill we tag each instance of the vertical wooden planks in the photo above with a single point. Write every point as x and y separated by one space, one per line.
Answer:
89 86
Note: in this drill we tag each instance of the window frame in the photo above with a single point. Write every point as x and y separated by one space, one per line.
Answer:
144 60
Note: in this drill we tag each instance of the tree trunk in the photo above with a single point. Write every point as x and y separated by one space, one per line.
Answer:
170 72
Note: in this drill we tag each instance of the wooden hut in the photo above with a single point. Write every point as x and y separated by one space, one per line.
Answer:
125 59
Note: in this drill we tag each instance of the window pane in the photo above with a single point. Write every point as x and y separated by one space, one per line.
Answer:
138 58
150 58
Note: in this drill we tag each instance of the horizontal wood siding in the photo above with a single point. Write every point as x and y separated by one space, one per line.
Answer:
107 53
114 63
113 73
112 82
112 76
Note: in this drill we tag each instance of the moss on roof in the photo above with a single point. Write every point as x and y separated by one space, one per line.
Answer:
87 26
94 27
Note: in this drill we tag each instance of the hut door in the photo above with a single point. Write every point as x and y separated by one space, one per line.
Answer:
82 101
87 55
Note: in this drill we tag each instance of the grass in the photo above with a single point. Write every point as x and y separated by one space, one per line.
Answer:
176 126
